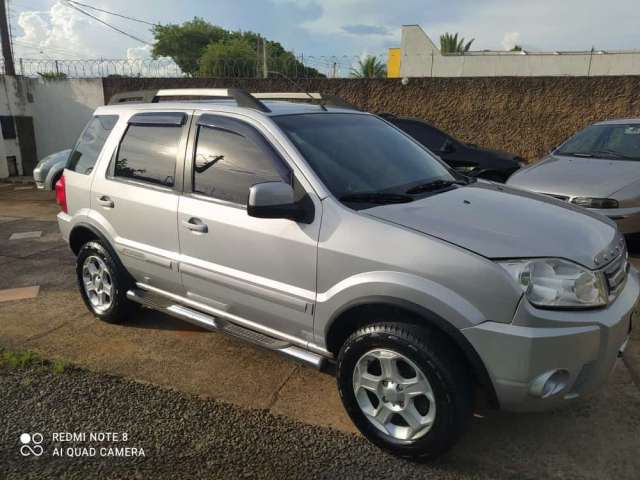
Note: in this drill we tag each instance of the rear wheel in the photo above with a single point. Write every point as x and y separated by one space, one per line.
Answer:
103 283
405 388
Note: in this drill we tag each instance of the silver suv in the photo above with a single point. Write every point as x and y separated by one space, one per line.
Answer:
329 235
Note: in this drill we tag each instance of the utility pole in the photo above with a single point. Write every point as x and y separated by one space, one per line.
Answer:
9 68
265 70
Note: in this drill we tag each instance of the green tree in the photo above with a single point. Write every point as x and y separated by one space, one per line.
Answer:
52 75
452 44
229 58
186 43
369 67
516 48
200 48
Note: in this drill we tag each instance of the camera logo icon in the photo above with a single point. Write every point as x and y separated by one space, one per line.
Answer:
31 444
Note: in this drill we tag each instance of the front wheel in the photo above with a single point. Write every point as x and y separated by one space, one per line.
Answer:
405 388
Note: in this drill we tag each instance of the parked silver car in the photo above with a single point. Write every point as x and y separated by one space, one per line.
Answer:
49 170
598 168
329 235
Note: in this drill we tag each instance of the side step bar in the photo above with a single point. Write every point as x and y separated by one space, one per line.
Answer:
211 323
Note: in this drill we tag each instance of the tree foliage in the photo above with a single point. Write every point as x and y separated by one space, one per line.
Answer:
452 44
200 48
369 67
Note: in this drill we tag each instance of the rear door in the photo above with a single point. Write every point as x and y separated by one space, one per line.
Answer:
254 269
136 194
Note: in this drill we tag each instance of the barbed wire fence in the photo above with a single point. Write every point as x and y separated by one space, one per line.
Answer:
294 67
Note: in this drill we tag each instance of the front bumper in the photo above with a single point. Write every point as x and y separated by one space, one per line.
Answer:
581 345
38 178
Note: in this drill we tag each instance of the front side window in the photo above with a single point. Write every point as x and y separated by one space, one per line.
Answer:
611 142
355 153
227 164
148 153
85 154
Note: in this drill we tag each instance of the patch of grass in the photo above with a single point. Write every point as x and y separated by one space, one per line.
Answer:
19 359
58 366
27 358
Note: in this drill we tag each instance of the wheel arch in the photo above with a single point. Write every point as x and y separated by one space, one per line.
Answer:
356 314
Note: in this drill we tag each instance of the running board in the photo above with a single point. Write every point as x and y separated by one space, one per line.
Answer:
211 323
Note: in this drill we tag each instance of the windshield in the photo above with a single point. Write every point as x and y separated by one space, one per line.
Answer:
354 153
613 142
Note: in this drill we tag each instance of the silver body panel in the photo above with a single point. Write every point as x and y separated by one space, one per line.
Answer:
291 280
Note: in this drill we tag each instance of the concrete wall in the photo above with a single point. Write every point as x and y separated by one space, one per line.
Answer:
421 58
523 115
13 103
61 109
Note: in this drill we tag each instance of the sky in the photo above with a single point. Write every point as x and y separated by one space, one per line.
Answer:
49 29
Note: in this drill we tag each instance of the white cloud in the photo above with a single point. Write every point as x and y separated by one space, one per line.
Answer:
510 40
139 53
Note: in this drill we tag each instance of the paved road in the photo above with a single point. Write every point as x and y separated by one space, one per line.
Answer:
598 438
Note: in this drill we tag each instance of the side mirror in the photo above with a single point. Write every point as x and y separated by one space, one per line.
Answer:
277 200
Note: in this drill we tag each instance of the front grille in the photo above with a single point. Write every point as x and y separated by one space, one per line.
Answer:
616 274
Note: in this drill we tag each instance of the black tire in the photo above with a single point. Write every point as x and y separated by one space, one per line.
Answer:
120 308
444 368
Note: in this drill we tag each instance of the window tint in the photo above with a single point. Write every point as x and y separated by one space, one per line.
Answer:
148 154
354 153
227 164
426 135
88 147
609 141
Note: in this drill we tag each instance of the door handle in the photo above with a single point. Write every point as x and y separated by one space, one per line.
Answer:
105 201
196 225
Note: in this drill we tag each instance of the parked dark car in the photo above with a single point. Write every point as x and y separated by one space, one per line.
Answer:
468 159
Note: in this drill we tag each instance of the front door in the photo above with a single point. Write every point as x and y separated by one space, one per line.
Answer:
261 270
136 196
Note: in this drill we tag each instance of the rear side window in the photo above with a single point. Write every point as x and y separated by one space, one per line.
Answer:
228 163
88 147
148 153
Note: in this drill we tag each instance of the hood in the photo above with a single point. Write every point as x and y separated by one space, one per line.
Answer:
56 157
577 177
499 222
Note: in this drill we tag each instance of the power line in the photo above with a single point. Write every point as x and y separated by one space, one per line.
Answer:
70 5
133 19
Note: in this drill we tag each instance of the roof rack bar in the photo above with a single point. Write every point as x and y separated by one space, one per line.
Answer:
242 97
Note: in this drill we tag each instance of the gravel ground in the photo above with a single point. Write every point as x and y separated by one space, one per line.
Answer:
182 436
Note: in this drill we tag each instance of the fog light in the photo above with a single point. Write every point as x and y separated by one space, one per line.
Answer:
549 383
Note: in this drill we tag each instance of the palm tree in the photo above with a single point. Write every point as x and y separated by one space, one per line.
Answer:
451 44
369 67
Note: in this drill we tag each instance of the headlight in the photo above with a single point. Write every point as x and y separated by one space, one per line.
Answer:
555 283
589 202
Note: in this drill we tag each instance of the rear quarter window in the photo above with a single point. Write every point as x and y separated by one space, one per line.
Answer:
87 149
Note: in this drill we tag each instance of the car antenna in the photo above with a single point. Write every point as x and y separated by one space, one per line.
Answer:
304 90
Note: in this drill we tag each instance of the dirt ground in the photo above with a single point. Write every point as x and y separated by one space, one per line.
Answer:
598 437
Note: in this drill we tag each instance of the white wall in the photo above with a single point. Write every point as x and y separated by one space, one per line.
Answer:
421 58
61 109
13 102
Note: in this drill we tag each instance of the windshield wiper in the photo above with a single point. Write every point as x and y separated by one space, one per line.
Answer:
614 154
576 154
376 197
433 186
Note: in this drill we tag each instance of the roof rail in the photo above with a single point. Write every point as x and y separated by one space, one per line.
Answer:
324 99
242 97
